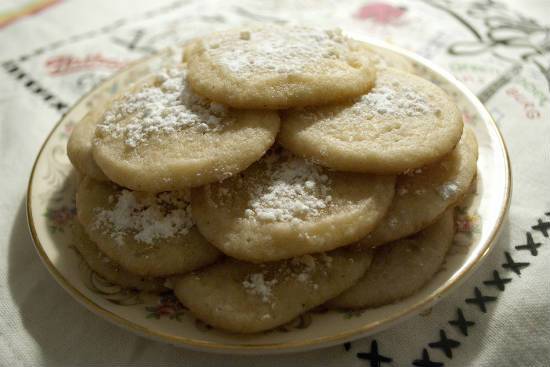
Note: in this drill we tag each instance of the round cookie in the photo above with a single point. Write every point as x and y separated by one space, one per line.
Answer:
422 195
401 268
274 67
79 147
284 206
147 234
160 136
405 122
107 268
246 298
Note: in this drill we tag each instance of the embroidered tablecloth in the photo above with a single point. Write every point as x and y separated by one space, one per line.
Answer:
53 52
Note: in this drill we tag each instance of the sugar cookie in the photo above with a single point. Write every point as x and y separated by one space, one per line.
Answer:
405 122
160 136
246 298
284 206
422 195
147 234
109 269
401 268
273 67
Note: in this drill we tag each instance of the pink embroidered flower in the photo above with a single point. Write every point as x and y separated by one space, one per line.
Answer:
380 12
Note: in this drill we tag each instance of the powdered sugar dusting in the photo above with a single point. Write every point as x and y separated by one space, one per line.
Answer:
257 285
296 189
162 108
275 49
146 217
391 101
448 190
302 269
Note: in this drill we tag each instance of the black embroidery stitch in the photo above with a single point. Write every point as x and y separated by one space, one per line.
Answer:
512 265
425 361
347 346
445 344
542 227
375 359
497 281
480 300
531 245
461 323
34 86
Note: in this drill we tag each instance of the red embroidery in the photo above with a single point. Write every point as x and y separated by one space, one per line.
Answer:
66 64
380 12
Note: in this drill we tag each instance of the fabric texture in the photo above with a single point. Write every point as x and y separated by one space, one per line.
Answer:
52 55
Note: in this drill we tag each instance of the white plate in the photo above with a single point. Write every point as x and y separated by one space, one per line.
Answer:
50 207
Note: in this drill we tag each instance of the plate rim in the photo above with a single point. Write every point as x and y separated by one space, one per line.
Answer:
298 345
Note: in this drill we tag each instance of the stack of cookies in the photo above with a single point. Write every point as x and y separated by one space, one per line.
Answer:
275 169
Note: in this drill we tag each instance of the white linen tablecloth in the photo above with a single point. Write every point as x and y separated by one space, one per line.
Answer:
52 52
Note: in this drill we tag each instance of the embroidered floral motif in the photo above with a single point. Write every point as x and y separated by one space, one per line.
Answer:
380 12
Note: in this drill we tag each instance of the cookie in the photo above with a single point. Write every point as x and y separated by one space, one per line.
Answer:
284 206
405 122
401 268
109 269
79 147
161 136
246 298
148 234
274 67
422 195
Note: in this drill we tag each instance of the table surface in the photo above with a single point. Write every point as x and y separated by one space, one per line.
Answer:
53 52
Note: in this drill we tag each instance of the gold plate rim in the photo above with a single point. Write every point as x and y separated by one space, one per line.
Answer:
301 345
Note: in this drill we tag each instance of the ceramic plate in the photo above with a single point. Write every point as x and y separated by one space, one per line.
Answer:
50 206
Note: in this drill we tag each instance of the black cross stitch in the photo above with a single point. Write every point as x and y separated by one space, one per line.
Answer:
461 323
425 361
445 344
512 265
480 300
497 281
542 227
10 68
530 245
60 106
375 359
